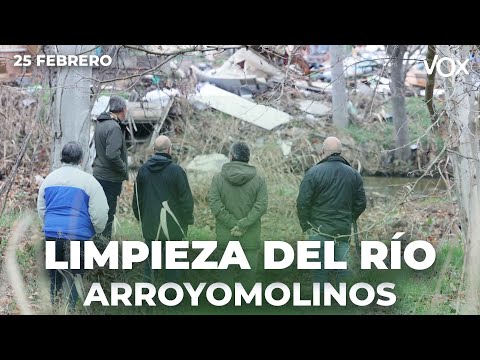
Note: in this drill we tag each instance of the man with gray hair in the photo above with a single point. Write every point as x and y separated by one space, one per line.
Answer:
110 166
331 197
238 199
72 206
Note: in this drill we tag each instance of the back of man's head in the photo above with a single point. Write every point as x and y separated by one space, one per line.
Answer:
117 104
162 143
332 145
240 152
72 153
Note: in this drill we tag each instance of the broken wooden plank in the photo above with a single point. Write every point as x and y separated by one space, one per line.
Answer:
263 116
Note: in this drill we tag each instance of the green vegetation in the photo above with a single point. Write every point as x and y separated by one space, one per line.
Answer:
424 216
418 292
382 133
434 291
6 221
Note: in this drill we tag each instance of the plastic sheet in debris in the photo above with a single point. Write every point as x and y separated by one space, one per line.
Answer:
100 106
161 96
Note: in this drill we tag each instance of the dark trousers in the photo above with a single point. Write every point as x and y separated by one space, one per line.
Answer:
169 275
62 253
112 190
341 250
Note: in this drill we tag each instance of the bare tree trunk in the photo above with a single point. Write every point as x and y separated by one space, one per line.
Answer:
339 96
431 52
71 119
397 87
461 110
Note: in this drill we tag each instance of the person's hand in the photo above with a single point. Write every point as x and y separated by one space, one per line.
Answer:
241 223
236 232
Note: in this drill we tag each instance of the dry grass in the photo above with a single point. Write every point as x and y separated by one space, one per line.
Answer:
19 111
11 266
211 132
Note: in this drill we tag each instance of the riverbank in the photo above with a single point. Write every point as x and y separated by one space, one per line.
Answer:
436 291
426 213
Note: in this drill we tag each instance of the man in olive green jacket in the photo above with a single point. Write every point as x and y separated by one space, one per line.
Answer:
238 199
110 166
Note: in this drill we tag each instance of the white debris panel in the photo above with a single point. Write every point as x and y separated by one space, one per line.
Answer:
263 116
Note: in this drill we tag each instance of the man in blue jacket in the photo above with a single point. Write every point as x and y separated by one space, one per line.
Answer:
72 207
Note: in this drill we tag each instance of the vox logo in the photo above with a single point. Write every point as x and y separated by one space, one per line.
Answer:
454 66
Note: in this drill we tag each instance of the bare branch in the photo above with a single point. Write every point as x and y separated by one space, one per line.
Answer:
195 48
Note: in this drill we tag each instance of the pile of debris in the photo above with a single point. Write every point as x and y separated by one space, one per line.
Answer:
240 88
273 88
251 87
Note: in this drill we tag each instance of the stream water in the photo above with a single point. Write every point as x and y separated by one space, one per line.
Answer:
391 185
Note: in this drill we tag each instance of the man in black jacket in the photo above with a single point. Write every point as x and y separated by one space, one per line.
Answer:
110 166
331 197
162 186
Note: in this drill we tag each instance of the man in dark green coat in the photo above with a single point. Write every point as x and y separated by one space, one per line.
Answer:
331 197
238 199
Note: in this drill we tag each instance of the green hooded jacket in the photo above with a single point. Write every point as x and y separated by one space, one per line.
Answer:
238 197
